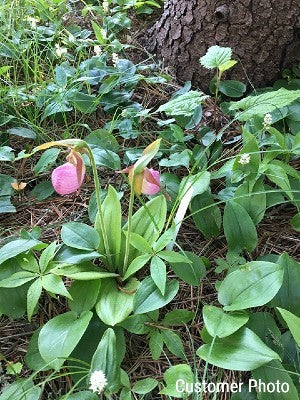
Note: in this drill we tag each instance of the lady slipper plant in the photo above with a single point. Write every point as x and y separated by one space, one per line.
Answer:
102 262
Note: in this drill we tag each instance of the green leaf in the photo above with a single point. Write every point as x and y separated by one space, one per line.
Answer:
216 56
156 344
232 88
239 229
159 273
218 323
47 256
198 182
264 103
173 257
15 247
47 159
115 304
278 175
148 297
83 102
23 132
104 139
71 255
180 372
274 372
54 284
295 222
81 303
173 343
43 190
106 158
139 243
293 322
59 336
252 199
136 324
242 351
288 296
6 153
80 236
82 272
22 389
191 272
253 285
144 386
136 265
206 214
105 359
17 279
177 317
147 222
82 395
33 295
112 215
184 104
98 33
61 76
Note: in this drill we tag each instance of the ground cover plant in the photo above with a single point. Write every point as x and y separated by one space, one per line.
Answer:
149 229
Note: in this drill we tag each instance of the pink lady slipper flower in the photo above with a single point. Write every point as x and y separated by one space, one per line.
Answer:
147 181
68 178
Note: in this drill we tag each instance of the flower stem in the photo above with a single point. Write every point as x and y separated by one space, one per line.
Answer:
127 245
99 206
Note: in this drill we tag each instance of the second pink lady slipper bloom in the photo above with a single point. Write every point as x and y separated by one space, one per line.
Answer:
146 182
68 178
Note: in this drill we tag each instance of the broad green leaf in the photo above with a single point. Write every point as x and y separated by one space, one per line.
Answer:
6 153
180 372
82 395
239 229
148 297
242 351
206 214
156 344
15 247
253 199
293 322
47 256
105 359
232 88
80 236
184 104
275 373
264 103
83 102
106 158
136 324
115 304
177 317
47 159
54 284
70 255
221 324
33 295
191 272
158 273
278 175
60 335
22 389
199 183
216 57
43 190
80 303
173 257
136 265
17 279
140 243
23 132
145 386
288 296
252 285
112 215
173 343
295 222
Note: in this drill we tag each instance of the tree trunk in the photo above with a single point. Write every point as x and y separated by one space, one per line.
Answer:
264 36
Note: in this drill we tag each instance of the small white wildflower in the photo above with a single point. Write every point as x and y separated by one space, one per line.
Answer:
244 159
105 6
59 51
33 21
97 50
115 59
98 381
268 120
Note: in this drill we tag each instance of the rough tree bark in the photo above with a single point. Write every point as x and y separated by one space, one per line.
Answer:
264 36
